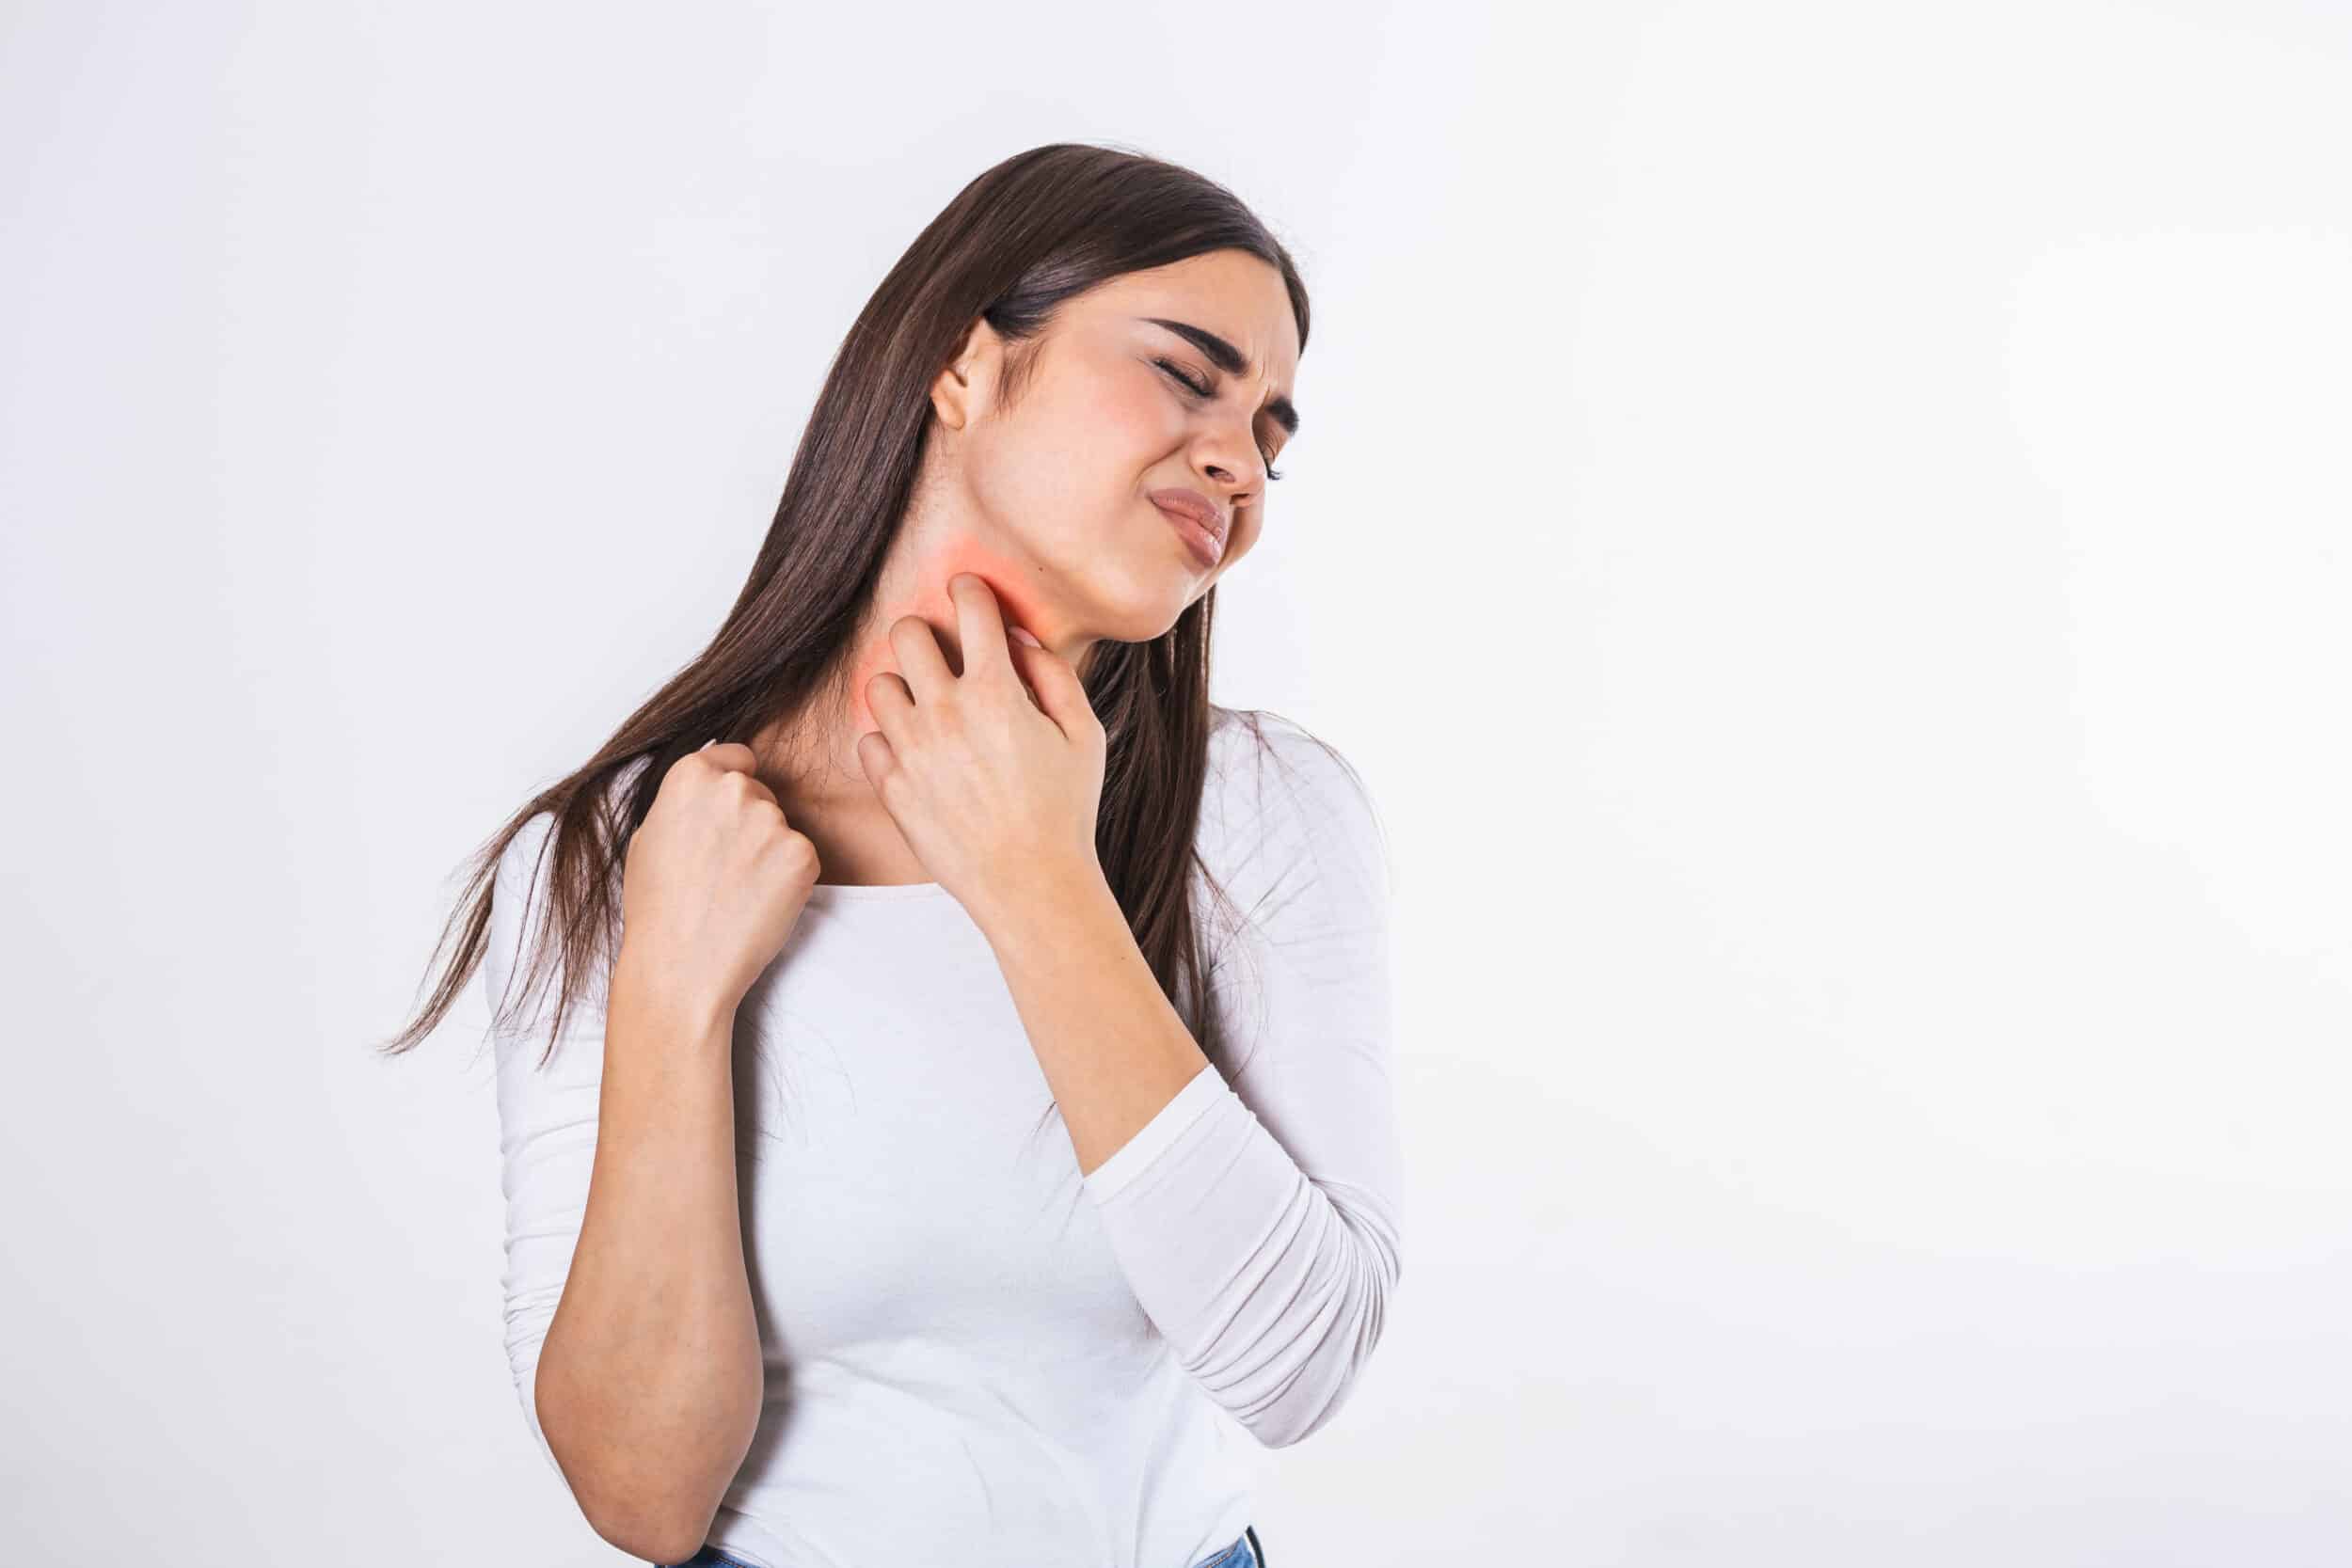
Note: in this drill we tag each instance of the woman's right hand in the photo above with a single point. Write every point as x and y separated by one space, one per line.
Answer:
714 879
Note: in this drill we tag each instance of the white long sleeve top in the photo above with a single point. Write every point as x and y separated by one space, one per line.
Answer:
974 1354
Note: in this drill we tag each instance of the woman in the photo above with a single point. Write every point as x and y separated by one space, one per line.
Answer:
938 843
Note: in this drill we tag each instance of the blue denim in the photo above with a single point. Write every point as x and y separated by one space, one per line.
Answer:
1243 1553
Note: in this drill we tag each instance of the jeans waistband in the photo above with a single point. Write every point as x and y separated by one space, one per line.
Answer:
1244 1553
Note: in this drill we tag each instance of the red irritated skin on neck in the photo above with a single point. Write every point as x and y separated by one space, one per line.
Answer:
1005 576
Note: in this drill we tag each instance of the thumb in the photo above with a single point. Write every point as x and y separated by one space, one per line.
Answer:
1060 694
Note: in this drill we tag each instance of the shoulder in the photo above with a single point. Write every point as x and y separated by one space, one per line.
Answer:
1258 752
529 894
521 857
527 866
1273 785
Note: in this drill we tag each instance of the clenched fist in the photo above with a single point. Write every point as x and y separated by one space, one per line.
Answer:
714 879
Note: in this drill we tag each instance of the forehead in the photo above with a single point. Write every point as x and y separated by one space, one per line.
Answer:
1229 292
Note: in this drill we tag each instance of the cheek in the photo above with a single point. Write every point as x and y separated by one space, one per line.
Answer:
1034 476
1245 531
1093 434
1133 421
1073 463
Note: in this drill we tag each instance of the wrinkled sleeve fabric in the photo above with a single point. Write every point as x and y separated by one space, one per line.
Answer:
1259 1221
546 1115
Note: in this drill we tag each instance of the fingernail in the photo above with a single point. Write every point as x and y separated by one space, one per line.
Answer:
1022 633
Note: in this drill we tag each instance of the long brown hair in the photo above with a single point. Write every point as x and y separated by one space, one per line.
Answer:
1014 243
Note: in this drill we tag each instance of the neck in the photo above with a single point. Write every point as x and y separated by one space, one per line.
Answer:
815 753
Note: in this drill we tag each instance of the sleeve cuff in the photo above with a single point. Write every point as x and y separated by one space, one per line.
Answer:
1152 1139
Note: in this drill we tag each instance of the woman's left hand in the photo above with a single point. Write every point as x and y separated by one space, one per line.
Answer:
995 793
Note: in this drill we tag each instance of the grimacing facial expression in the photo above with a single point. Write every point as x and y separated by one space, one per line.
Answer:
1118 407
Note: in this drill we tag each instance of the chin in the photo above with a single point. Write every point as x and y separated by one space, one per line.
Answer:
1137 605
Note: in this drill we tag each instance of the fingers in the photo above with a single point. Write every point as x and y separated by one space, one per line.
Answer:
1059 692
731 757
889 699
989 646
921 664
979 623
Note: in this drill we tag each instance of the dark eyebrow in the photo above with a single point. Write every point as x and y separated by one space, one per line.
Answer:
1229 359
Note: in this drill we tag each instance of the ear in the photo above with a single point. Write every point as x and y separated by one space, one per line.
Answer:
957 392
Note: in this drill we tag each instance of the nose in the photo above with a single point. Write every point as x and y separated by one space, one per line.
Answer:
1233 475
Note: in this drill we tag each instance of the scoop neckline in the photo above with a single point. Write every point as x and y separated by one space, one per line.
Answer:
875 892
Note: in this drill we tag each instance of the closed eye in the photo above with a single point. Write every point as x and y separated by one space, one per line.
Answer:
1202 389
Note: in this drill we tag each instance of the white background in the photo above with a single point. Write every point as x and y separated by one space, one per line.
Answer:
1824 527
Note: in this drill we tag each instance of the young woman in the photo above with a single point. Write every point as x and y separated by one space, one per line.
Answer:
966 1130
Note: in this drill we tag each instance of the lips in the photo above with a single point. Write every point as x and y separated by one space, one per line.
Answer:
1201 539
1193 504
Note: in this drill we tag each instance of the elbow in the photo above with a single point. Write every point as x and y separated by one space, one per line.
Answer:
1274 1435
623 1503
658 1546
1292 1422
1310 1402
650 1531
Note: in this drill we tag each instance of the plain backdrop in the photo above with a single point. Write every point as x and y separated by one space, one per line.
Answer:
1823 526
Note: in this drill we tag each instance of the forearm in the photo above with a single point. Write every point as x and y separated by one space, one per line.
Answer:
1113 1049
650 1383
1271 1286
